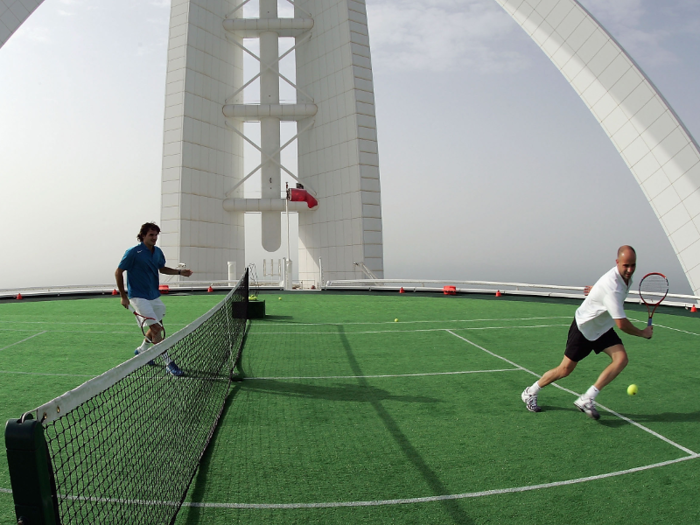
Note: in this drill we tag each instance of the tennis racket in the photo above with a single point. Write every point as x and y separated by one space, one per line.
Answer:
653 289
143 323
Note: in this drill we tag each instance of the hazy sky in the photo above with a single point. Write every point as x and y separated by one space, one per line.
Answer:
491 166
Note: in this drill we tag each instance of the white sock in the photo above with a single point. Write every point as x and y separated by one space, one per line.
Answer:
535 388
166 359
591 393
144 346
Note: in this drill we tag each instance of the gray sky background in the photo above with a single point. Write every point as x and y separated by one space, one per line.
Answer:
491 166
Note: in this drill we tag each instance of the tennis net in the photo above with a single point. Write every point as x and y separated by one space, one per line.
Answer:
125 446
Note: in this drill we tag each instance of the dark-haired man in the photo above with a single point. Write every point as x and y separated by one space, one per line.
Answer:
592 331
142 264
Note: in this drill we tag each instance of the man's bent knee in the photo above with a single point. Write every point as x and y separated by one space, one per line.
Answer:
564 371
622 362
154 333
618 355
566 367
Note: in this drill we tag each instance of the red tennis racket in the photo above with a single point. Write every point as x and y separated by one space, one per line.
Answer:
653 288
143 323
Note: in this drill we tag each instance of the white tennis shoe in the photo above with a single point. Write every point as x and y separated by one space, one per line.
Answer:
587 406
530 400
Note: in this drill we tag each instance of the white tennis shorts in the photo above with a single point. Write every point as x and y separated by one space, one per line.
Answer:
153 308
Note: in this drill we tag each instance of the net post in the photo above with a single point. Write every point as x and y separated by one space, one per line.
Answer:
241 310
33 488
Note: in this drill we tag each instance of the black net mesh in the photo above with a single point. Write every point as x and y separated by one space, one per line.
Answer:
128 455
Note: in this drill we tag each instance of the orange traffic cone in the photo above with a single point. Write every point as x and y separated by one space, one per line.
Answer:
402 290
210 289
498 293
114 292
693 309
19 297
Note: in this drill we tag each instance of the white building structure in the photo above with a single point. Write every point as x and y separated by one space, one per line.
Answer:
658 149
202 204
13 13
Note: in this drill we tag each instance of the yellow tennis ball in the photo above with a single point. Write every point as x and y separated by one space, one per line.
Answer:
396 320
279 298
632 390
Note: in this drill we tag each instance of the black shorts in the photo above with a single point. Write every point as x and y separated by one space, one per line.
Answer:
578 347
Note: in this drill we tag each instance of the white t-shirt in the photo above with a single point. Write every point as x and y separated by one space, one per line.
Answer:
604 303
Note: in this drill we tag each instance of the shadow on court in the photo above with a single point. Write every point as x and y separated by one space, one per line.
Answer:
452 507
552 408
339 392
609 420
360 391
200 481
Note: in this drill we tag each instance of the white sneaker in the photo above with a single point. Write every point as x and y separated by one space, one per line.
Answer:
530 400
587 406
174 369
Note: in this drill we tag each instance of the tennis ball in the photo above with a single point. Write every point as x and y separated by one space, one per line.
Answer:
632 390
396 320
279 298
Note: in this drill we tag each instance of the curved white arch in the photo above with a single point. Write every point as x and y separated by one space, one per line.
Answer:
13 13
658 149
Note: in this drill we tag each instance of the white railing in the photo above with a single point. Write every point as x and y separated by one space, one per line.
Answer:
76 289
108 289
491 287
57 290
389 285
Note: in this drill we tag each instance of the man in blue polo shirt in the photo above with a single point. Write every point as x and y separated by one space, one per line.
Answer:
142 263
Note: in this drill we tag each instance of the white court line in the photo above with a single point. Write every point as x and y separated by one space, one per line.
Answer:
5 321
376 503
692 455
664 326
411 331
382 375
23 340
171 328
676 329
491 353
424 321
429 499
642 427
44 374
62 331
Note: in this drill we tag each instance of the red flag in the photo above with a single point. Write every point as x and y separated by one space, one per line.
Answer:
299 195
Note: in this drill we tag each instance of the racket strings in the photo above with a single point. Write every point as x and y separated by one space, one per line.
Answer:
653 288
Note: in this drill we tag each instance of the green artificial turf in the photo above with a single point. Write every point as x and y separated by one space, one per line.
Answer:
348 416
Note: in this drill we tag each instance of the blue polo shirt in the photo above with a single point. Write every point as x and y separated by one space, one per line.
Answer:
142 271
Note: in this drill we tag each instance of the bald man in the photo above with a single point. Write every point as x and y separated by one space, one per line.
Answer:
593 330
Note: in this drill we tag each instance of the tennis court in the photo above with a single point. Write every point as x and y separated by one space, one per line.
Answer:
389 408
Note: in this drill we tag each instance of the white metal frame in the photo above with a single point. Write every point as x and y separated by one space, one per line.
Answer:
491 287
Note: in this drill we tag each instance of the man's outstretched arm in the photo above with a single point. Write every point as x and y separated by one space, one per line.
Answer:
626 326
172 271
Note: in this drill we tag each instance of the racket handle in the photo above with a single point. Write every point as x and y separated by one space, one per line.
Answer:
649 322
